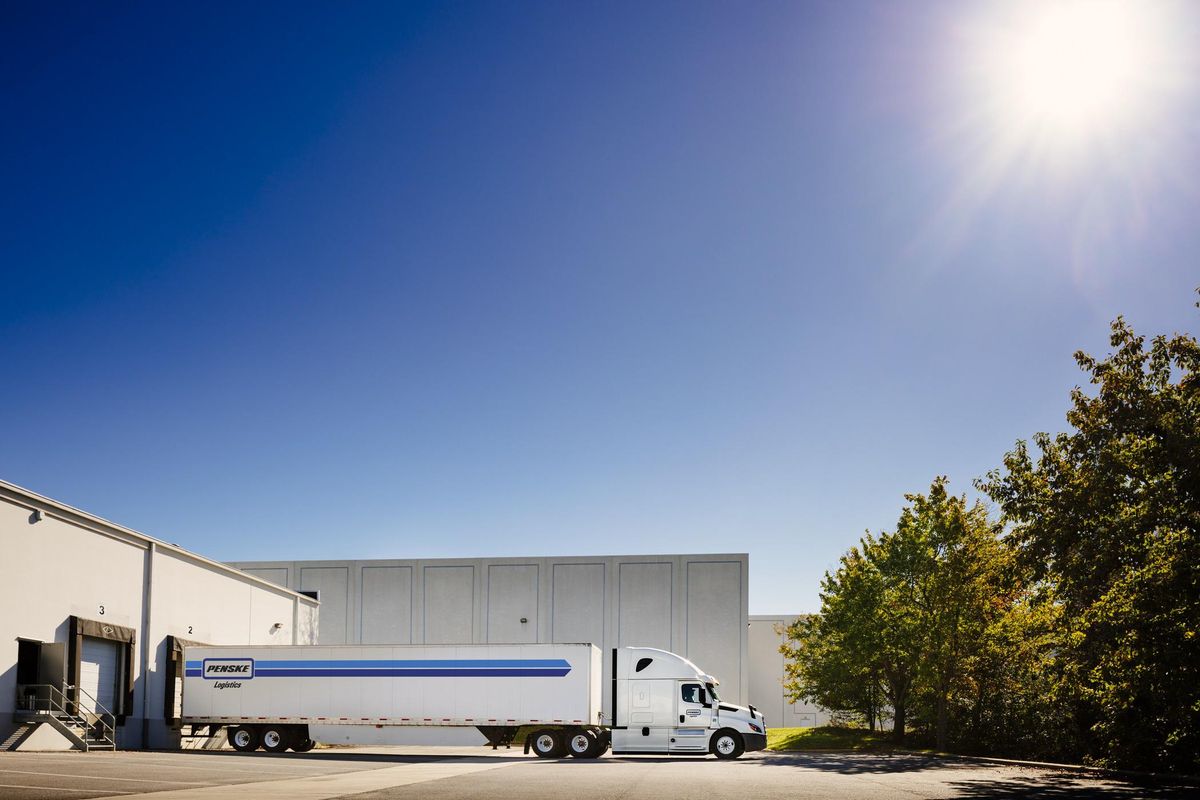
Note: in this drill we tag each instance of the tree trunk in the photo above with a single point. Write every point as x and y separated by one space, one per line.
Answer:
898 724
942 702
871 709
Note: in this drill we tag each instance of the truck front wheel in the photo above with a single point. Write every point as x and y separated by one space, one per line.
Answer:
549 743
728 744
244 739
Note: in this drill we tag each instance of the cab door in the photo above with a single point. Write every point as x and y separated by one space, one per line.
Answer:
695 714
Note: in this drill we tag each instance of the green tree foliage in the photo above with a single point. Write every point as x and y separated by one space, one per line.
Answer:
832 656
905 613
1071 632
957 563
1107 518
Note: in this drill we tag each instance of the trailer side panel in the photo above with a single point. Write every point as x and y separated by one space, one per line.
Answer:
430 685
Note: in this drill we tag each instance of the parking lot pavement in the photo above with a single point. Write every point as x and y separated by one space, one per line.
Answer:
446 774
766 776
68 776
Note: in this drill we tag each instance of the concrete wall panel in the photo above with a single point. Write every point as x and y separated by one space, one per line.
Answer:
449 604
645 605
578 603
512 597
715 618
277 575
333 583
386 605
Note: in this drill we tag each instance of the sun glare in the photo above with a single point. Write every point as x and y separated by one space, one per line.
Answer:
1076 66
1073 69
1065 107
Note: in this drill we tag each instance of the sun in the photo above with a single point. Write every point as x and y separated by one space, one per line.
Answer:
1068 70
1077 65
1079 115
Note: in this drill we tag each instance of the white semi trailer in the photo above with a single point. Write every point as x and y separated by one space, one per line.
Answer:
661 703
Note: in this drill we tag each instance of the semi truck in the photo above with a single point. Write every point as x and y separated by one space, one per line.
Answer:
271 697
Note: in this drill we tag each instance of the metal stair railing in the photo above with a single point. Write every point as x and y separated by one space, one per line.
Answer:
101 721
98 726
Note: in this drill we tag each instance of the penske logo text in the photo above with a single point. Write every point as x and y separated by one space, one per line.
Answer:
218 669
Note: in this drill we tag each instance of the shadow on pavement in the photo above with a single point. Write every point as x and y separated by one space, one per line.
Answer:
854 763
337 754
1067 787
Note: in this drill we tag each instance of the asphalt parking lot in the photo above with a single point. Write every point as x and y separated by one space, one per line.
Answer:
387 773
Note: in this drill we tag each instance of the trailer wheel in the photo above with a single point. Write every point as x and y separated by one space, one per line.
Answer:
727 744
275 739
585 744
549 743
244 738
298 739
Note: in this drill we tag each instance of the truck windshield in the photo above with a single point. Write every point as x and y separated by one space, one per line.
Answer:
712 690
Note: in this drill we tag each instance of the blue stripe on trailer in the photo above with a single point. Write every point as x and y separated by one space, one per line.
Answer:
424 663
421 663
489 672
423 668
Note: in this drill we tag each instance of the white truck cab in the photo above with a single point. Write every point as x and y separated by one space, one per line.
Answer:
663 703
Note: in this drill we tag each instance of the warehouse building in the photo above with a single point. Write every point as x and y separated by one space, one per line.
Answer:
94 616
694 605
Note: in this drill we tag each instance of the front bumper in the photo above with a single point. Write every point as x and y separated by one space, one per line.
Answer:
755 741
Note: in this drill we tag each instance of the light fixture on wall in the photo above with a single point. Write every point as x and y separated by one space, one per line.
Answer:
36 516
524 620
277 626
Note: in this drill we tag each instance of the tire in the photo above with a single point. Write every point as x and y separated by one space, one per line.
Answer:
584 744
304 745
727 744
297 736
244 739
276 739
549 743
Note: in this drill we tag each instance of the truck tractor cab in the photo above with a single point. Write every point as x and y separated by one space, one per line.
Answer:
663 703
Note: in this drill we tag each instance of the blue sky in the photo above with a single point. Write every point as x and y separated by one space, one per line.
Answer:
385 280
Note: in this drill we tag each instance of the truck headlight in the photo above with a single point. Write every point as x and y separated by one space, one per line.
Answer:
754 727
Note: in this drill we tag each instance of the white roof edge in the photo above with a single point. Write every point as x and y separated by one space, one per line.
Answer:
40 502
465 559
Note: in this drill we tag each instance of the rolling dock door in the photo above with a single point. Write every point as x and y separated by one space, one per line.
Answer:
100 661
100 673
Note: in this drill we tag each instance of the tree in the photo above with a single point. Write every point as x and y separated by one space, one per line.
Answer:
950 555
904 613
1108 518
833 658
823 668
